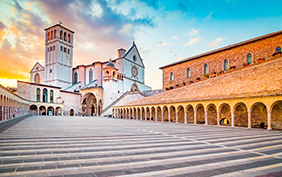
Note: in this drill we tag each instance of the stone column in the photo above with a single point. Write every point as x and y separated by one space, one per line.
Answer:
141 115
269 127
156 115
206 117
168 111
232 118
185 116
176 112
195 117
150 114
218 115
250 119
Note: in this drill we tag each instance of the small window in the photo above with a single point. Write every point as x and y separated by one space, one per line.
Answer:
50 49
50 70
278 49
61 48
37 68
51 96
68 51
188 74
90 75
53 47
134 58
171 76
249 58
206 69
65 50
225 64
75 78
38 94
61 34
44 96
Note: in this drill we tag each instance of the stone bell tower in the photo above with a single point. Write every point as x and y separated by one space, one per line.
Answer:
58 56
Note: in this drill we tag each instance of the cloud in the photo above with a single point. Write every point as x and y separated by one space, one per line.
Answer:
193 41
174 37
163 44
184 6
209 16
194 32
217 41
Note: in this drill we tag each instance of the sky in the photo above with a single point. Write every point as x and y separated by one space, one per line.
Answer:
164 31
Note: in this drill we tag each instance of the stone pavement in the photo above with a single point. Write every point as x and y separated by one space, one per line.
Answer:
96 146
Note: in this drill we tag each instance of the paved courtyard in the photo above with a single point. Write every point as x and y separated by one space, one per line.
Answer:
96 146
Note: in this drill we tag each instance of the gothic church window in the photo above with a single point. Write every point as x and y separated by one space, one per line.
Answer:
206 69
51 96
75 77
37 78
44 98
188 74
171 76
90 75
225 67
249 58
278 49
38 94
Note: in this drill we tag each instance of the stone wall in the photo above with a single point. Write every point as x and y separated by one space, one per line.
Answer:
236 55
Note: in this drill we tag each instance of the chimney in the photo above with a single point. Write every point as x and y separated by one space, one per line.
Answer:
121 52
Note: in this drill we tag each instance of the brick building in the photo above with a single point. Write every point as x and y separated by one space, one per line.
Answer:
237 85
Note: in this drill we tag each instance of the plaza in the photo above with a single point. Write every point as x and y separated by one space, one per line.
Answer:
99 146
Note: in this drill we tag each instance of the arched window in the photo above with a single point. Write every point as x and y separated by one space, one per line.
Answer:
55 34
107 73
206 69
225 67
51 96
69 38
38 94
114 73
48 35
188 73
61 34
51 34
65 36
75 77
90 75
37 78
134 58
44 98
278 49
171 76
249 58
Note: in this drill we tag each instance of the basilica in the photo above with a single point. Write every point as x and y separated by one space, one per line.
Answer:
58 88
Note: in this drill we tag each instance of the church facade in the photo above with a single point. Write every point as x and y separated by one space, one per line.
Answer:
58 88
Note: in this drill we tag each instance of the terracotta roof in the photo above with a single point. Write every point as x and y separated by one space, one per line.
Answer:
223 49
237 84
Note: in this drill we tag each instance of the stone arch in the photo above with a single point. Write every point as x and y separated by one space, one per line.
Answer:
153 116
134 113
190 114
212 114
159 114
165 114
172 113
42 110
88 100
138 114
33 109
276 115
58 111
142 113
240 115
200 116
180 114
147 113
50 111
224 114
134 87
258 115
72 111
